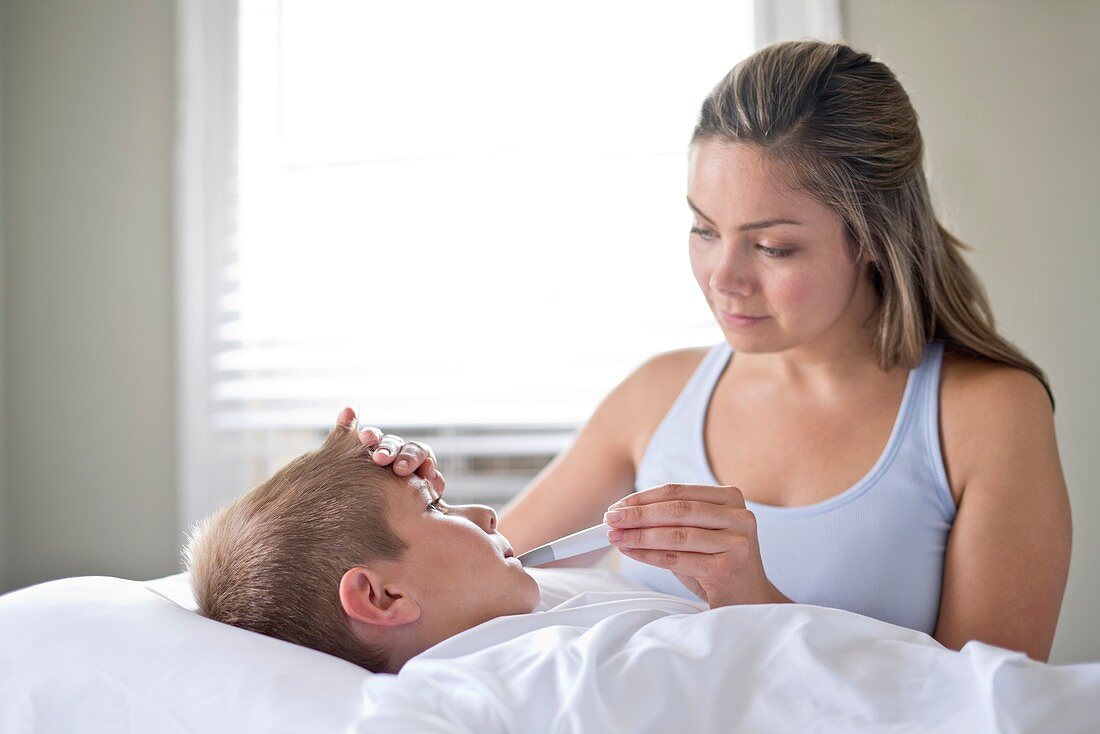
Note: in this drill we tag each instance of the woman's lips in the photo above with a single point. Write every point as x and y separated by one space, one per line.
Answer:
740 321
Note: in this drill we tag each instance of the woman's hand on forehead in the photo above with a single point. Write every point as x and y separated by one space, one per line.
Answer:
404 457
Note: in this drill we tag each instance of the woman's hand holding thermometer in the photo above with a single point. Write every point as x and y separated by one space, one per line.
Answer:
703 534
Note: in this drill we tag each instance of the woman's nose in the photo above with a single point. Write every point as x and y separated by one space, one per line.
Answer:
484 516
730 275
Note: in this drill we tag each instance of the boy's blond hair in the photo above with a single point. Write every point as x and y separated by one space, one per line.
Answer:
271 561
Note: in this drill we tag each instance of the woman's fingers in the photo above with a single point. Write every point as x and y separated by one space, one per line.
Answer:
405 457
694 540
345 417
409 457
669 492
692 565
369 436
702 533
385 451
679 512
439 484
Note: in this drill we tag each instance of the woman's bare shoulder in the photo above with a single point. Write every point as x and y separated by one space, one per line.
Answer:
968 382
670 370
971 388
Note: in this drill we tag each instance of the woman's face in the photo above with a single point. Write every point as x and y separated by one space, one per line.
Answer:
799 275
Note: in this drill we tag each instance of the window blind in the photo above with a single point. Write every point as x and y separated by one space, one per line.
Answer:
462 214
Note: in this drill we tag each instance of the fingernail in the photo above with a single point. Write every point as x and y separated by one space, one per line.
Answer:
617 504
613 516
385 452
402 464
615 535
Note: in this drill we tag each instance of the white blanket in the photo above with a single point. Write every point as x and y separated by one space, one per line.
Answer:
98 654
648 662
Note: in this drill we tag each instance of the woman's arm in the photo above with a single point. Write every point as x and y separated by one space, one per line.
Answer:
1009 549
575 489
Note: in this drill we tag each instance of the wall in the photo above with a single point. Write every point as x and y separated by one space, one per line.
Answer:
88 112
1006 93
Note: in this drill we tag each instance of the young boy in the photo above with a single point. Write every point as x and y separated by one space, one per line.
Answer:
339 554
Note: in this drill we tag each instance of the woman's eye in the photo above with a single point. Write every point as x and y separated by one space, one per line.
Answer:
434 505
706 234
773 252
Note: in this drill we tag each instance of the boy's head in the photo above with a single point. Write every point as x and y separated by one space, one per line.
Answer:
341 555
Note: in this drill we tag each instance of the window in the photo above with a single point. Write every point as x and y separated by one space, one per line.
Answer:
467 219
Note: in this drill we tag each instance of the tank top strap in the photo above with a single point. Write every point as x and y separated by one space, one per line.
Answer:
696 393
694 398
925 424
673 451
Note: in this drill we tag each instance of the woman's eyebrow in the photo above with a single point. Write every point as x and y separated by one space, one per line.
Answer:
696 210
751 225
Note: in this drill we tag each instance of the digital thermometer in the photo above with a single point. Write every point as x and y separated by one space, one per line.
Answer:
571 545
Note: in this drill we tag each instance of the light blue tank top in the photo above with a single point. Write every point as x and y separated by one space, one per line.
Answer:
876 549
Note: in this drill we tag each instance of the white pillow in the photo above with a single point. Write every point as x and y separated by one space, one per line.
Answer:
94 653
102 654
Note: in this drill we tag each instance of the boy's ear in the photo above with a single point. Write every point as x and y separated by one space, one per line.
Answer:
367 599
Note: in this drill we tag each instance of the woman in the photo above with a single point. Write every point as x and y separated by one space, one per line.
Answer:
863 438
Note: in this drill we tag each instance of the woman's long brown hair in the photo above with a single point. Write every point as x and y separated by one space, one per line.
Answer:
841 125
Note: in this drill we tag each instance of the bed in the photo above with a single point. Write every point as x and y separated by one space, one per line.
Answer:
102 654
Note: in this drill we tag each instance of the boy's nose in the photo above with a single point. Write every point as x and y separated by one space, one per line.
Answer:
484 516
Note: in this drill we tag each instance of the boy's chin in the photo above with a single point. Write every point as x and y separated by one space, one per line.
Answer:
535 593
525 592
